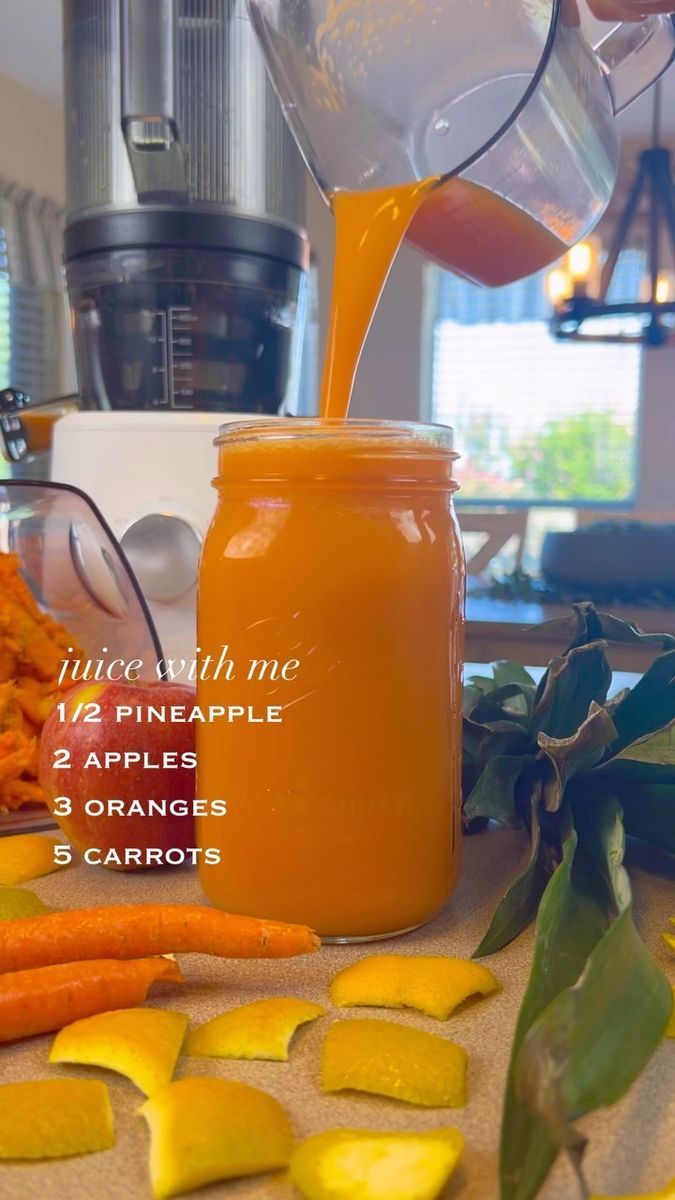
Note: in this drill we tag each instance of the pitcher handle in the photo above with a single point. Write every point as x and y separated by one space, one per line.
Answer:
634 55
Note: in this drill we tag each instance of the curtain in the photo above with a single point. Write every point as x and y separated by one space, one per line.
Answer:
34 333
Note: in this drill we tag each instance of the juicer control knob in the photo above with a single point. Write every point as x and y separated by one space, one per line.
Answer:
164 554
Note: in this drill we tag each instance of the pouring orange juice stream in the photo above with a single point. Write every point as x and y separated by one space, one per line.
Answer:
369 228
468 229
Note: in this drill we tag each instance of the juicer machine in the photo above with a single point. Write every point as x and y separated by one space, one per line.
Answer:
186 266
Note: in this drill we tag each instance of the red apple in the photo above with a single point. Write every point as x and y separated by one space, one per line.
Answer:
118 778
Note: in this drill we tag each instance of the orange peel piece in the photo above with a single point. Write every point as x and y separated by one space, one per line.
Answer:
27 856
20 902
435 986
141 1043
394 1060
358 1164
666 1193
204 1129
54 1118
262 1029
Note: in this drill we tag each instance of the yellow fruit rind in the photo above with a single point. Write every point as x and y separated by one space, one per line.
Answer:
261 1030
141 1043
27 856
666 1193
344 1164
20 902
393 1060
203 1130
54 1118
432 985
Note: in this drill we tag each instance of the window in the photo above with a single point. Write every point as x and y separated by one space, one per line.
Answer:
537 421
33 330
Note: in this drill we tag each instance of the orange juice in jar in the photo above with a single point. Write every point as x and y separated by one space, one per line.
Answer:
333 573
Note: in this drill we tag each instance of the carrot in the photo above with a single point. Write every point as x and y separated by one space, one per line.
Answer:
47 998
137 930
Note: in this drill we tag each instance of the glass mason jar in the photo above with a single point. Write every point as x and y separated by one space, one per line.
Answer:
333 576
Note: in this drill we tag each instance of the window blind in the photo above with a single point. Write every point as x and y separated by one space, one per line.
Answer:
536 421
31 292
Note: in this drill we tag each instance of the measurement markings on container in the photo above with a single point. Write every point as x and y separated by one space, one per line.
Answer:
181 350
160 370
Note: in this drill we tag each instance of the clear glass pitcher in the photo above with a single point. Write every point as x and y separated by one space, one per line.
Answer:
508 95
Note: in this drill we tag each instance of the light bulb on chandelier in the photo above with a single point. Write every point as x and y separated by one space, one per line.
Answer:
579 286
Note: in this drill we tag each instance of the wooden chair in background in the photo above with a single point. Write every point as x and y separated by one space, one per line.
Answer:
499 529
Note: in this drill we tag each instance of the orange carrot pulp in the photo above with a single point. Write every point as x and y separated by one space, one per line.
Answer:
47 998
136 930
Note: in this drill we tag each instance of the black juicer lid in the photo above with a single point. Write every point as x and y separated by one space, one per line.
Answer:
195 228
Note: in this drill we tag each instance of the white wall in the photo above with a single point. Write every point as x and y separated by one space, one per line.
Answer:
31 140
656 476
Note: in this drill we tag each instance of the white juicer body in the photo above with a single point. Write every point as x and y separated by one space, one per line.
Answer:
151 476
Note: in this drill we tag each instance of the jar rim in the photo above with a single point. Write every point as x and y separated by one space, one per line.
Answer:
430 435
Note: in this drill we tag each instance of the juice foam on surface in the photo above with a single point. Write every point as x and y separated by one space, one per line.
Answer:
357 453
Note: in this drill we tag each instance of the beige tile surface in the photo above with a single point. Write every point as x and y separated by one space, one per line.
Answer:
632 1147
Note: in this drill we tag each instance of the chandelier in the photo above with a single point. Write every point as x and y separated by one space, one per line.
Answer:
579 288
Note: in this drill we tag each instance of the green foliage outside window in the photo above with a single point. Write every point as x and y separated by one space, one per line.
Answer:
587 456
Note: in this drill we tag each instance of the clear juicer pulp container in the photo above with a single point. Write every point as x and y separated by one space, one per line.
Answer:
77 572
172 328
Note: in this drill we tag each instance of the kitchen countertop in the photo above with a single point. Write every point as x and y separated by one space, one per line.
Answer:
632 1147
508 629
